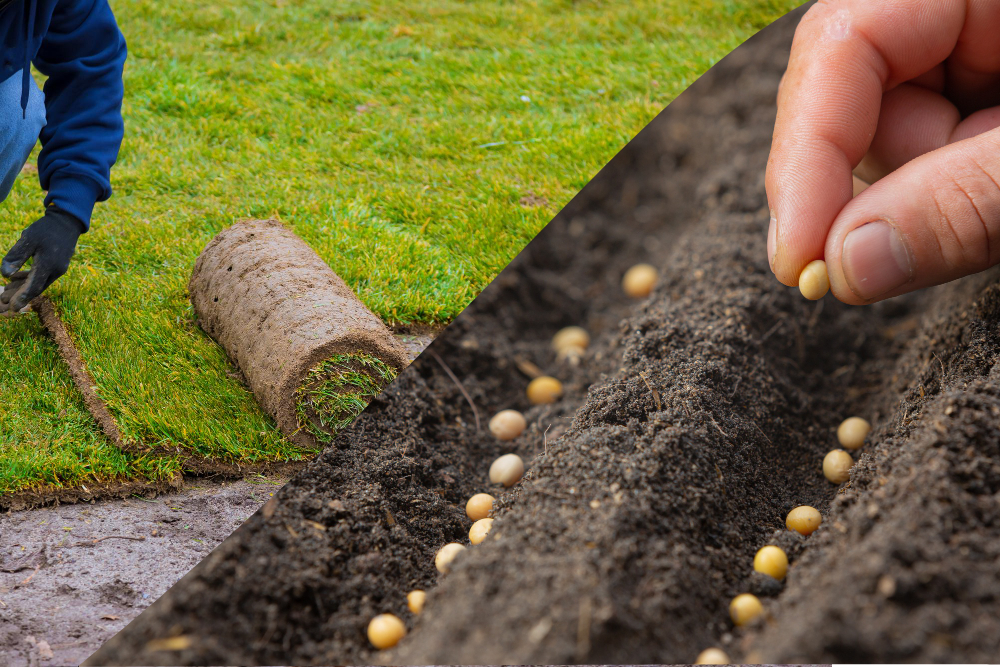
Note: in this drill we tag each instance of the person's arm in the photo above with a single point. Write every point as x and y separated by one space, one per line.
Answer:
903 93
82 55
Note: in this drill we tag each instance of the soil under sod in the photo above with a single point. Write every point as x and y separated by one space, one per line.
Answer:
694 423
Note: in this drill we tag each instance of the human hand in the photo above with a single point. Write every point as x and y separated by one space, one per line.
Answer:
51 240
905 93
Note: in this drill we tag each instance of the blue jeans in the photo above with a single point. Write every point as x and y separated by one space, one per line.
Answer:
18 132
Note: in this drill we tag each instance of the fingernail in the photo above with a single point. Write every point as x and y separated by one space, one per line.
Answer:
772 240
876 260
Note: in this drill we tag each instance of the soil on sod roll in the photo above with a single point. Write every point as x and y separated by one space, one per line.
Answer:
310 350
694 422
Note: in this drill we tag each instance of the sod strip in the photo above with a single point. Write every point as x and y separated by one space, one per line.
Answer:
78 371
102 415
47 494
312 353
51 495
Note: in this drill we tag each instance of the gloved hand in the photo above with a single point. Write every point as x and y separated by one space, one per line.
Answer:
51 240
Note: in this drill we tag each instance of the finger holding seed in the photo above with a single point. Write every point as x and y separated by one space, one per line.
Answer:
814 282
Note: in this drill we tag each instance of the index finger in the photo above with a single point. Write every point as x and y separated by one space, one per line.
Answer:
845 54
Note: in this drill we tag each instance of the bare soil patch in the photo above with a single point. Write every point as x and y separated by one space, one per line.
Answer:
73 575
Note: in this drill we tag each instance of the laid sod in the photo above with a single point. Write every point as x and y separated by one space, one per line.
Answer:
416 146
47 437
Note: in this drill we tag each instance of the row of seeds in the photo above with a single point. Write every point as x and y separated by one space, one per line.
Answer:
386 630
772 560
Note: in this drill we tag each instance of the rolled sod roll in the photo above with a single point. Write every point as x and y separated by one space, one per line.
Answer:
311 351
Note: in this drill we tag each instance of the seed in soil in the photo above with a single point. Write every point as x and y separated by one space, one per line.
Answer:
814 282
639 280
385 631
852 432
480 530
507 470
415 600
479 506
571 354
571 337
544 389
804 519
445 555
772 561
837 466
744 608
508 424
712 656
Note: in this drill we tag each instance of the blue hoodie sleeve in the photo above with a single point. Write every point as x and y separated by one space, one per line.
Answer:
83 55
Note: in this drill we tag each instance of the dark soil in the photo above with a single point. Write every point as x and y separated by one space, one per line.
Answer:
694 423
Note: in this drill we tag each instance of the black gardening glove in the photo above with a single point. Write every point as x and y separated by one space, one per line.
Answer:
51 240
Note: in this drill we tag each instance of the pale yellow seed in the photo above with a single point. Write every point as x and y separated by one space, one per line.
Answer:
571 354
638 281
570 337
415 600
804 519
814 282
772 561
445 555
480 530
852 432
859 185
385 631
837 466
508 424
712 656
479 506
544 389
744 608
507 470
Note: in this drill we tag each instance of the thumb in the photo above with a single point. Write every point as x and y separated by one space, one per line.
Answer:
17 256
935 219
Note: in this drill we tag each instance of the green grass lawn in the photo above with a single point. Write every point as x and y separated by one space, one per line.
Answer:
398 139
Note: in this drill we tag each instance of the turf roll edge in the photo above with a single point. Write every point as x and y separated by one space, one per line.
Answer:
312 353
